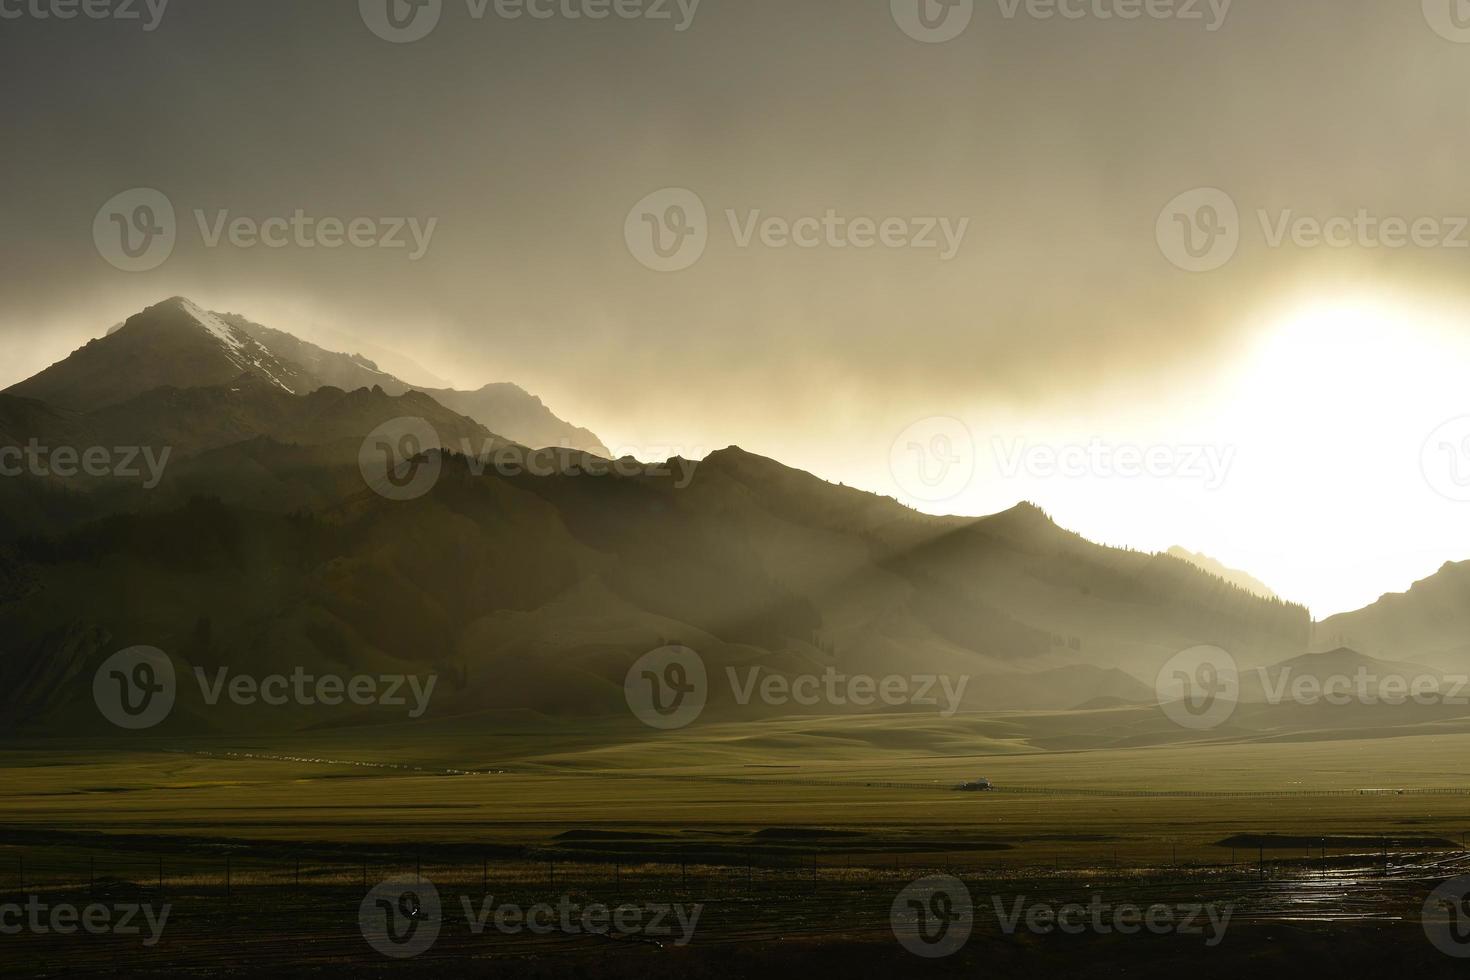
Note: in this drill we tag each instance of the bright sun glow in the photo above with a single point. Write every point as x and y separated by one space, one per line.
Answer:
1324 423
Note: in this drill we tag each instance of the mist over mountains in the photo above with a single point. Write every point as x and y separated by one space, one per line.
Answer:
178 344
259 545
1234 576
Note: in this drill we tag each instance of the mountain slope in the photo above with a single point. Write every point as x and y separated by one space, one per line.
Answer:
505 408
175 343
520 415
1430 623
539 591
1234 576
178 344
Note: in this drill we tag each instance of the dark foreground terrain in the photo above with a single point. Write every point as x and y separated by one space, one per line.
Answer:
264 912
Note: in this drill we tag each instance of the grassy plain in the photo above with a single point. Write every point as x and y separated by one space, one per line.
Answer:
865 789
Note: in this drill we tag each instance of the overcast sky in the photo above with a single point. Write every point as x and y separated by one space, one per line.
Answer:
1294 385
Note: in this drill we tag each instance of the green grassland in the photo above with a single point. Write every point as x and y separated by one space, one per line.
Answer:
870 789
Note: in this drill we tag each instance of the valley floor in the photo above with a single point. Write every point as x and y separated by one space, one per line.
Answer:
795 837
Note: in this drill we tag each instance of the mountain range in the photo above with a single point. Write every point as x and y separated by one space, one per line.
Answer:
178 344
262 547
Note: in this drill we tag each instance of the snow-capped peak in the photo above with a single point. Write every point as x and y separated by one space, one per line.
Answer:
247 353
213 324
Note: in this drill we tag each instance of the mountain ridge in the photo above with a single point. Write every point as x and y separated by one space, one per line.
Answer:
177 343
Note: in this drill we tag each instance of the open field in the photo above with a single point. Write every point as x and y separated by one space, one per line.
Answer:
796 832
884 786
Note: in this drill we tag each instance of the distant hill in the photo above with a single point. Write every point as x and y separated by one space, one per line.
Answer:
1365 673
1430 623
1243 580
178 344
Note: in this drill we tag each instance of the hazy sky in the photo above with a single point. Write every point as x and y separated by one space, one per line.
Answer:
1286 402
